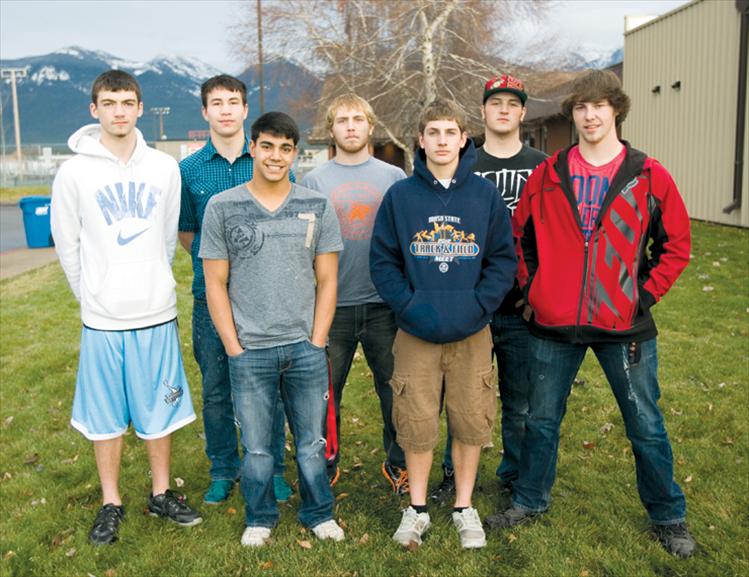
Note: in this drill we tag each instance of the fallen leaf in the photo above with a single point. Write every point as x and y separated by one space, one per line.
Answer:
70 552
304 544
8 420
709 406
110 573
728 441
373 451
708 289
716 263
364 538
267 565
681 461
341 496
31 459
412 547
354 419
231 511
357 465
606 428
7 476
511 538
589 445
676 412
61 537
721 385
584 573
179 482
70 461
358 443
9 554
711 528
688 479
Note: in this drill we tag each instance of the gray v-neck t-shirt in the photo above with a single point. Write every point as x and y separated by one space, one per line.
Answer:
271 260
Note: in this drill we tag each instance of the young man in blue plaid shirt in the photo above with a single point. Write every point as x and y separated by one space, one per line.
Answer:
223 163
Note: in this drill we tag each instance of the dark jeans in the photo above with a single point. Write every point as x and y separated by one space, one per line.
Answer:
372 325
218 410
510 333
553 366
298 374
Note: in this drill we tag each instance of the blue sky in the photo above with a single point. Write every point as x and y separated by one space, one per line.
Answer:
141 30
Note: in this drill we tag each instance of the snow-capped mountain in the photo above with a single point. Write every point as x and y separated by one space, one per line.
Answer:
55 94
567 57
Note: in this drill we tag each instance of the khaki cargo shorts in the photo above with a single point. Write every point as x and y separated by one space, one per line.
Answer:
470 396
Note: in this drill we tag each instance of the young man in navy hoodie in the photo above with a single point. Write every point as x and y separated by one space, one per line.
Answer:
442 259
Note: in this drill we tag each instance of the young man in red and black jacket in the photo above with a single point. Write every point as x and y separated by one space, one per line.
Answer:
603 235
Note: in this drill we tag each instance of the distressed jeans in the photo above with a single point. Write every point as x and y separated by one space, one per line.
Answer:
218 410
297 373
372 325
553 366
510 334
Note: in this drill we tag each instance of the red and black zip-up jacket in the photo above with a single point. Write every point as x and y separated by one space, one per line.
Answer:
600 290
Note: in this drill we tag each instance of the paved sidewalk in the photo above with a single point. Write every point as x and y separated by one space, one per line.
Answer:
21 260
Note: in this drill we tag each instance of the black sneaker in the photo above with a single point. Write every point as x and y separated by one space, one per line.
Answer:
397 477
510 517
106 524
173 507
675 539
445 491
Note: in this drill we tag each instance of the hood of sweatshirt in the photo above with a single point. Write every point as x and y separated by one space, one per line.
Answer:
86 140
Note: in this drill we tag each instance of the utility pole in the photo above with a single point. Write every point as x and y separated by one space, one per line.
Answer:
260 55
14 73
162 111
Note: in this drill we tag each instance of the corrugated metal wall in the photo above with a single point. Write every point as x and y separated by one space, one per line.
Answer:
690 130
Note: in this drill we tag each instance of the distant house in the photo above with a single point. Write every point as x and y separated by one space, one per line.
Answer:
686 73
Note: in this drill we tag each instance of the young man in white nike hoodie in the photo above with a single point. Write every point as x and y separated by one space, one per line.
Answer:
115 207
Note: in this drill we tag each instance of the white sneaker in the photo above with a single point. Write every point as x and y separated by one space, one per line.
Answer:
328 530
413 526
468 524
255 536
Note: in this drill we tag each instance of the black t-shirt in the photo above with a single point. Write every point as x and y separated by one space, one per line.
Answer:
509 175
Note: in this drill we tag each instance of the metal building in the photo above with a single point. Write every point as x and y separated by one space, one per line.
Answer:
686 73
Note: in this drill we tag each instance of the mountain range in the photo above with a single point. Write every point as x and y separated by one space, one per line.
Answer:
54 96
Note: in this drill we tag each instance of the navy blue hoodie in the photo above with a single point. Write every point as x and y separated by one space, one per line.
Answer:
443 259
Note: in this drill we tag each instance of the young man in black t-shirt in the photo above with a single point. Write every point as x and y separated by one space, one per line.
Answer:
507 162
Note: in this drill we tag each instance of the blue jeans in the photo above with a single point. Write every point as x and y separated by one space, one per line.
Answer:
553 366
510 334
297 373
218 411
372 325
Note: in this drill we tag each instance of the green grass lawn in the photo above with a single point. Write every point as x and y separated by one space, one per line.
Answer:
49 491
14 194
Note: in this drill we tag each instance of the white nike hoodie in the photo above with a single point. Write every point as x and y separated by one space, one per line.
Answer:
115 231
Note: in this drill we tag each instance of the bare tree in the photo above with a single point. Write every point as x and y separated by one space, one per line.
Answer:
399 54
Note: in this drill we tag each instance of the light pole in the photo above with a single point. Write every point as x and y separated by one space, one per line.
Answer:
14 73
162 111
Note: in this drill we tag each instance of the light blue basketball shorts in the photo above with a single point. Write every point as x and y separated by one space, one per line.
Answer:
133 376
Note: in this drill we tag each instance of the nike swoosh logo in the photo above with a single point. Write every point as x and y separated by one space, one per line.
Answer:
122 241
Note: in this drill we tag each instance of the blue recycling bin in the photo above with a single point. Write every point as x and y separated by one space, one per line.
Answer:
36 221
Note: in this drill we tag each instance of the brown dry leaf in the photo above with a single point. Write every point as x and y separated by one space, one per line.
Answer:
354 420
341 496
728 441
31 459
363 539
584 573
589 445
61 537
606 428
70 552
9 554
356 466
304 544
688 479
111 572
676 412
231 511
358 443
8 420
267 565
681 461
511 538
374 451
7 476
412 547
